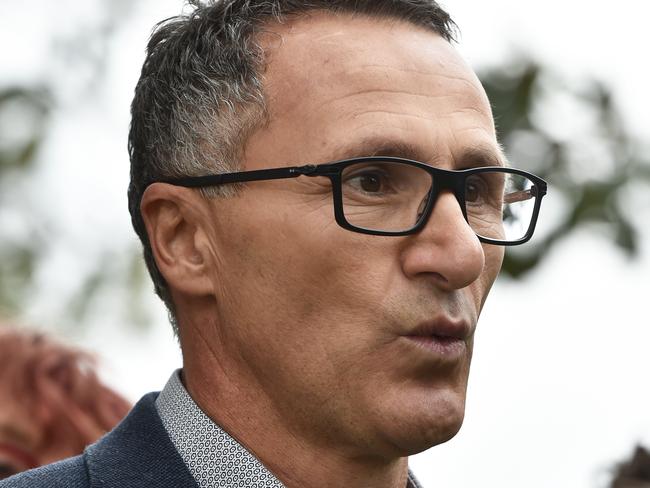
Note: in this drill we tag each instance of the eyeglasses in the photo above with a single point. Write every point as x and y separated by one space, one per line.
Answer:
387 196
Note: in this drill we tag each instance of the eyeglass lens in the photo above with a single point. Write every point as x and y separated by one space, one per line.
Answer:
392 196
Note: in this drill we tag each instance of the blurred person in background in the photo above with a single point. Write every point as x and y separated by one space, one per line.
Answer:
323 206
52 404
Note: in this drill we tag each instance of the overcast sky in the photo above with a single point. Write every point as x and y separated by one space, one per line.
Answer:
558 389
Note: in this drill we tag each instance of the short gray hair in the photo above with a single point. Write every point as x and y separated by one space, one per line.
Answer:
200 94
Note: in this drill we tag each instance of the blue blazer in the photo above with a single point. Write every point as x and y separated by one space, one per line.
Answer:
136 454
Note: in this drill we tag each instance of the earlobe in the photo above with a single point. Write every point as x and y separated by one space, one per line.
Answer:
173 218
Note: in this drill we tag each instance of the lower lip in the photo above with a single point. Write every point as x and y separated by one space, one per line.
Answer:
450 348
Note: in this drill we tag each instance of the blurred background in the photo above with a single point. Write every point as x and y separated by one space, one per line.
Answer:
559 392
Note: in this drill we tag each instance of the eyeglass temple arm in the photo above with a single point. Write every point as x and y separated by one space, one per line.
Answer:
523 195
242 176
518 196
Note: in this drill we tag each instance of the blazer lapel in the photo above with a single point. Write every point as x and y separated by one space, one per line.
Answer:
138 454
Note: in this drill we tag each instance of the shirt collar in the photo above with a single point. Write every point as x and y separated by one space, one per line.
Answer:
213 457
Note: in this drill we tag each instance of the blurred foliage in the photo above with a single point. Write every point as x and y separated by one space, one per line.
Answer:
78 60
23 112
23 115
588 167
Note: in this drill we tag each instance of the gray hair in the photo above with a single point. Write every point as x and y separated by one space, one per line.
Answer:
200 94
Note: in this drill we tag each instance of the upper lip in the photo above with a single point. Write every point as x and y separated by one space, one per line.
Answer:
443 327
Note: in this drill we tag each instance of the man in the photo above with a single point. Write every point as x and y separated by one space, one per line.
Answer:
52 405
304 183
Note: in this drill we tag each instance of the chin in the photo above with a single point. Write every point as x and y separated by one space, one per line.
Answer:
423 425
432 435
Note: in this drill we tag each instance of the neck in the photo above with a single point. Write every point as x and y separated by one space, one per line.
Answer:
240 407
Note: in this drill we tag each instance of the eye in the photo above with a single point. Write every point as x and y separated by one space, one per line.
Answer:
476 190
370 181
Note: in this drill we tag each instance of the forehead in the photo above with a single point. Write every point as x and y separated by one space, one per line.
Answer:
332 80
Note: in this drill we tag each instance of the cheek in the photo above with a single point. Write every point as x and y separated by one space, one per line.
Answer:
296 302
493 260
298 256
304 286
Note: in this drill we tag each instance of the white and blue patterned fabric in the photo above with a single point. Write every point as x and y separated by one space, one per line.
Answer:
213 457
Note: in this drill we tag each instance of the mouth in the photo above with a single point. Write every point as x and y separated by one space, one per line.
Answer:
444 338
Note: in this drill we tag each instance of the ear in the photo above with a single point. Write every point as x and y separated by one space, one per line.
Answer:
174 218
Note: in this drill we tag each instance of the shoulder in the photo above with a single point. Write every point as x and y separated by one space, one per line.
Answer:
69 473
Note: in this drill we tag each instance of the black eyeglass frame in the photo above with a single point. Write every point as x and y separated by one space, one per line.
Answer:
442 179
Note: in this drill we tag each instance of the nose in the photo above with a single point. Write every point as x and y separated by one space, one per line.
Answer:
446 249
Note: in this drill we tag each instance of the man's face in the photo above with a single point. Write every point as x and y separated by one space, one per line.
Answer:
343 332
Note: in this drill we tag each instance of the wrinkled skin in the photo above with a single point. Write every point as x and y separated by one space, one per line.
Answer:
293 329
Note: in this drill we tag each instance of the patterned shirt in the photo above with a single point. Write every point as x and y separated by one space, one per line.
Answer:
213 457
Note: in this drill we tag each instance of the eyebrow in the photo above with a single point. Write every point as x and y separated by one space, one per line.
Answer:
472 156
381 147
483 155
